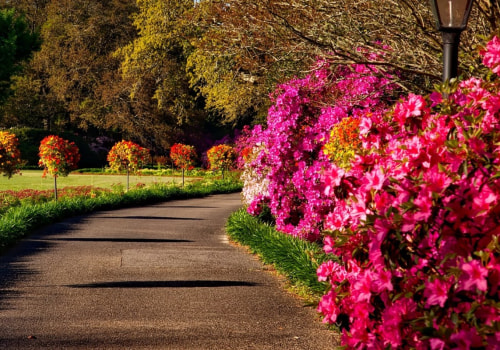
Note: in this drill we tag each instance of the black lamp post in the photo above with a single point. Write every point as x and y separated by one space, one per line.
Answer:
451 19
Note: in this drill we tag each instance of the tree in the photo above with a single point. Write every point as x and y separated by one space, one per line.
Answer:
128 156
183 156
249 46
156 98
17 44
58 157
221 157
10 156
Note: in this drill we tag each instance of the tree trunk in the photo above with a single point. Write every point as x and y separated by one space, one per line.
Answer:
128 172
55 187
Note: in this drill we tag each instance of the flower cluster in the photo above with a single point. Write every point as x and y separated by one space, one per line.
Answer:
298 126
10 156
183 156
58 156
127 155
344 142
221 157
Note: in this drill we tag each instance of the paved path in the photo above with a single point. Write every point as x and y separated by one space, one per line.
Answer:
156 277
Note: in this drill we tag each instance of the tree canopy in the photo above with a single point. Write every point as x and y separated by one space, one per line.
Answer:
17 43
166 72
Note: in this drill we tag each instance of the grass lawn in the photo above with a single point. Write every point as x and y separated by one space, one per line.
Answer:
32 179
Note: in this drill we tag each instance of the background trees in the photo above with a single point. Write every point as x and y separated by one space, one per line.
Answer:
164 72
17 43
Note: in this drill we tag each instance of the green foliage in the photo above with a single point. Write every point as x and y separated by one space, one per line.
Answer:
16 45
295 258
19 221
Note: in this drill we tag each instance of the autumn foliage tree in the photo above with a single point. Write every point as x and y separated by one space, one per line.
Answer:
221 157
128 156
10 156
58 157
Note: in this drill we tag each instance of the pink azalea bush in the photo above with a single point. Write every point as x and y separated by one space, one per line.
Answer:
416 224
298 125
413 223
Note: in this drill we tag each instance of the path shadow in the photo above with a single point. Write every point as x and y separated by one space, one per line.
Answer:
185 206
121 240
149 218
165 284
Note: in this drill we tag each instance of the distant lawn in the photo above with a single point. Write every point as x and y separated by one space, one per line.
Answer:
32 179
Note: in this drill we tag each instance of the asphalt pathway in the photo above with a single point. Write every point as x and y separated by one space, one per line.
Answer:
157 277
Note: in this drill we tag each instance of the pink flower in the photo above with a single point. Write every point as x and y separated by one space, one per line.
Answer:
381 281
437 344
473 276
332 179
436 292
328 307
361 288
491 57
328 244
374 180
466 339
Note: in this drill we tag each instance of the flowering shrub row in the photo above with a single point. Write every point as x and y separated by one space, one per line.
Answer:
407 201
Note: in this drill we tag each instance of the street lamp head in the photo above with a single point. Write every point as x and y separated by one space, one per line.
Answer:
451 15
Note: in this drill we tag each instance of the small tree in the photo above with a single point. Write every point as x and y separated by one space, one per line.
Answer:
128 156
58 157
10 156
221 157
183 156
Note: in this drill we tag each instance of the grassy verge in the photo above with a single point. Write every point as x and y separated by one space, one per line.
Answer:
293 258
19 221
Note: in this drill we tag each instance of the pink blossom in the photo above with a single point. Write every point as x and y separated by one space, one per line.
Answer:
491 57
328 307
473 276
436 292
374 179
437 344
466 339
381 281
328 244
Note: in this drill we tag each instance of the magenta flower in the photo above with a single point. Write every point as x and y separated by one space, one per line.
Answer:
473 276
436 292
491 57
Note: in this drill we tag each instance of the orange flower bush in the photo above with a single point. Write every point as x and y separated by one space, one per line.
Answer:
221 157
10 156
58 156
183 156
127 155
344 142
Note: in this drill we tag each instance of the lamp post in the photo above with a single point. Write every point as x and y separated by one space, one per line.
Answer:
451 19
